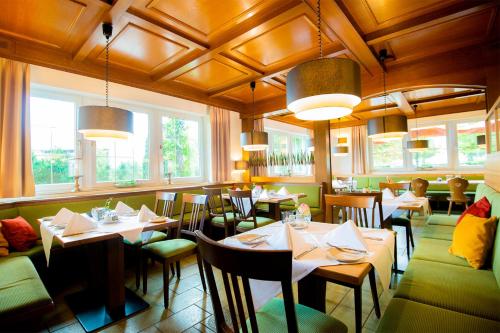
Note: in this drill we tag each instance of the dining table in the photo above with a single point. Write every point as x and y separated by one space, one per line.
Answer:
273 201
106 300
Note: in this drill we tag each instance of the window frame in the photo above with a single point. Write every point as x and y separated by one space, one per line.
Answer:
288 135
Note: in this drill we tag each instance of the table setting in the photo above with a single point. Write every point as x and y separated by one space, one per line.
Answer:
317 245
123 220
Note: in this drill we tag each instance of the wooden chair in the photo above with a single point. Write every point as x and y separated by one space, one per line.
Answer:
352 207
419 186
395 187
244 214
164 206
278 315
219 218
457 186
173 250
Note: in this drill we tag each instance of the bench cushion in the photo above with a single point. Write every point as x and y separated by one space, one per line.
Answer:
441 219
437 250
438 232
407 316
261 221
21 289
461 289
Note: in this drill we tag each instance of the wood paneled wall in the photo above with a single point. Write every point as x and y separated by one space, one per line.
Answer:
492 170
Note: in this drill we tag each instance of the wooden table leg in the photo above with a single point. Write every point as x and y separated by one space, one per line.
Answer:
312 292
115 279
357 308
373 287
275 211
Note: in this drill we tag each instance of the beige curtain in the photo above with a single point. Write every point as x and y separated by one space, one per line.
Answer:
16 174
221 144
359 153
258 125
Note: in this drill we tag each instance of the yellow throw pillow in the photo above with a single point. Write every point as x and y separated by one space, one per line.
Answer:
4 245
473 238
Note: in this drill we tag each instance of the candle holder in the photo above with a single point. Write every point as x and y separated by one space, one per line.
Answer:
76 187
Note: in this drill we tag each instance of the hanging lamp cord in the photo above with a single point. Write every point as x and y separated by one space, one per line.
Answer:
320 41
107 71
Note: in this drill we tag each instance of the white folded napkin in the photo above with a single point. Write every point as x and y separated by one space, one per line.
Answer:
257 190
387 194
79 224
122 209
283 191
264 195
146 214
289 238
62 217
347 235
407 196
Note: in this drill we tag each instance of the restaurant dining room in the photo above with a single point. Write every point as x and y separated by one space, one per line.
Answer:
250 166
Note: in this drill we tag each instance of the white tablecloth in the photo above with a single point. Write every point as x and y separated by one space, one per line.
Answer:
380 255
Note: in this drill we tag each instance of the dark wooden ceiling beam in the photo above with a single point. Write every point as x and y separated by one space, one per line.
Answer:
402 103
458 94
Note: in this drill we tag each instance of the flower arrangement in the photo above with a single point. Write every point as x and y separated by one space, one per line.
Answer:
304 209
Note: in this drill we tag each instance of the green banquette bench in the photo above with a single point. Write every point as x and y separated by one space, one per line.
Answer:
440 292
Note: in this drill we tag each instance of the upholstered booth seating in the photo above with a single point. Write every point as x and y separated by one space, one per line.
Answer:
441 291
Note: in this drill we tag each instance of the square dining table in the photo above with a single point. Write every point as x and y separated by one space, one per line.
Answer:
96 309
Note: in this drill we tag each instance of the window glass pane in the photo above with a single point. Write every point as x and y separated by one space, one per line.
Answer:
126 160
469 154
436 156
299 150
387 154
279 146
52 140
181 142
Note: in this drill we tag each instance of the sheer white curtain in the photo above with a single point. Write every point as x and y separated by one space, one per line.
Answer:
221 144
359 151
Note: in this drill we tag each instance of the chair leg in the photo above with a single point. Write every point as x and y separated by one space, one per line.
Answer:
396 252
449 207
178 266
407 242
144 272
138 267
411 236
200 268
357 308
373 287
172 268
166 282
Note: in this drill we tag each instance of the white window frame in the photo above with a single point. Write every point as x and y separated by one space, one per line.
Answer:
370 157
289 136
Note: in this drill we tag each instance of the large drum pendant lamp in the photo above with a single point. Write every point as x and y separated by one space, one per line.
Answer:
254 140
105 122
325 88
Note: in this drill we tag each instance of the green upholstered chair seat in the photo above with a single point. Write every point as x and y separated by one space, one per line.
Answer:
171 247
407 316
21 289
155 237
271 318
437 250
219 220
441 219
261 221
461 289
438 232
262 207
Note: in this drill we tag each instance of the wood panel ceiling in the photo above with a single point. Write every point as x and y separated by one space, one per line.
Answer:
209 51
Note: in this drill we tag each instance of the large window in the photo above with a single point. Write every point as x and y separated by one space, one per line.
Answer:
436 155
52 140
386 154
469 154
119 161
288 153
181 147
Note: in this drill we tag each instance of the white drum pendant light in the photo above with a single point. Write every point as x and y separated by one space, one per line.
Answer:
325 88
417 146
254 140
105 122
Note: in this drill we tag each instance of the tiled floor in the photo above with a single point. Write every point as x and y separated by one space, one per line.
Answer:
191 310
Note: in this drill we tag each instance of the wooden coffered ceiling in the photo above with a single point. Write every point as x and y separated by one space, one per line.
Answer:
208 51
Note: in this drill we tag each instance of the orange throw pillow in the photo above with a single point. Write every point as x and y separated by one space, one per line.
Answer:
19 233
4 245
473 239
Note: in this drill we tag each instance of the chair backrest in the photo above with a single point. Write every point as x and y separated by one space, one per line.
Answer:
243 207
377 205
196 216
458 186
352 207
419 186
395 187
168 200
214 201
243 264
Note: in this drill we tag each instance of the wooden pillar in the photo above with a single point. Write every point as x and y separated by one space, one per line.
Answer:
322 155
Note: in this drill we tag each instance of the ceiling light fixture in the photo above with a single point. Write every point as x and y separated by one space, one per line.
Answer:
105 122
324 88
254 140
387 127
417 146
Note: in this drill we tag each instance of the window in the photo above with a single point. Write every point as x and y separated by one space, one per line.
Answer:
288 154
386 154
119 161
279 147
436 156
52 140
469 154
181 147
